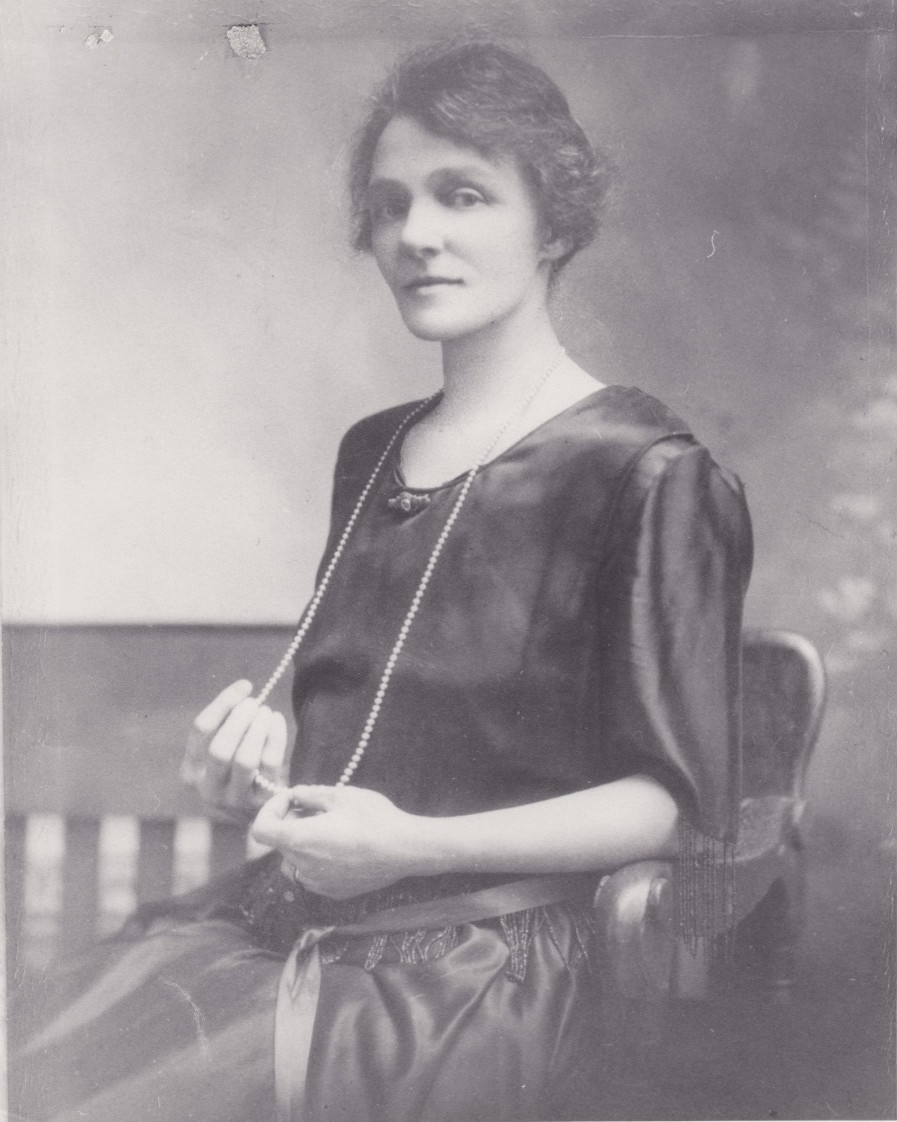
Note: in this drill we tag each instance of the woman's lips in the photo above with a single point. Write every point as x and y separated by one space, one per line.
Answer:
422 283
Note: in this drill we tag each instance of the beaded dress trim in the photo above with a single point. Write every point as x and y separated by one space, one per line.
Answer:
275 910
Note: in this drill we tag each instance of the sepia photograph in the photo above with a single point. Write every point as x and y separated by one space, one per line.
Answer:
448 520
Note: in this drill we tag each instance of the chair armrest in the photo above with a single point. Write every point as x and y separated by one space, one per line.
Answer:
635 928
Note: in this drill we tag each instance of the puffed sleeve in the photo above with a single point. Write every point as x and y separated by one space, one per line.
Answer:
673 582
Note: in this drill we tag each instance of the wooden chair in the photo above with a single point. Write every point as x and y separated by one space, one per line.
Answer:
95 722
645 962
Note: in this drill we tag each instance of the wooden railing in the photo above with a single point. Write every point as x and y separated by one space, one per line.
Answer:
95 719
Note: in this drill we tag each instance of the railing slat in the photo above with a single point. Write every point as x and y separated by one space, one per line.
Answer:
155 859
14 873
80 880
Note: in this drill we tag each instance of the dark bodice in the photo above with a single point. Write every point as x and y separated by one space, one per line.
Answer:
583 622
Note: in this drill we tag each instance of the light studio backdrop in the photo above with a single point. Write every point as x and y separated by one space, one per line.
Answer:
188 334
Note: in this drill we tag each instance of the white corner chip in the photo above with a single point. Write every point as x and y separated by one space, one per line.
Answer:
246 40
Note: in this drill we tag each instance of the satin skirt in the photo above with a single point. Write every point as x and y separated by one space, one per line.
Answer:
178 1024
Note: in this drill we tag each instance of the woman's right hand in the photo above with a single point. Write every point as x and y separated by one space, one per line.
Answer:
230 740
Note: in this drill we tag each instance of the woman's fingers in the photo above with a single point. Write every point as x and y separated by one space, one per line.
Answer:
262 750
275 750
268 827
229 741
278 821
216 711
220 750
247 756
224 744
206 724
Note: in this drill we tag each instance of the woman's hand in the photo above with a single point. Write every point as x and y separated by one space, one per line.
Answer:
231 738
340 841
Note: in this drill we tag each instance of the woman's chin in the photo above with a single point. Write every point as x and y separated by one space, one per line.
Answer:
430 334
436 329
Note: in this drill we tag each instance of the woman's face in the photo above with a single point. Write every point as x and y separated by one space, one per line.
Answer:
456 235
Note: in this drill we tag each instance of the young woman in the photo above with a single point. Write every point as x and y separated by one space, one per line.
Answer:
519 670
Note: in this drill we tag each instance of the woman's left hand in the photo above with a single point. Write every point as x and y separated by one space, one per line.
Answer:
340 841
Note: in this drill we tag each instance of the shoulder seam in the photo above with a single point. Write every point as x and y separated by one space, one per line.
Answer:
626 474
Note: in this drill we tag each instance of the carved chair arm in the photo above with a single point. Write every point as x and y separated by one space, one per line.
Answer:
634 922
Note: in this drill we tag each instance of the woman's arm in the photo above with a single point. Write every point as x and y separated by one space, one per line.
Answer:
344 841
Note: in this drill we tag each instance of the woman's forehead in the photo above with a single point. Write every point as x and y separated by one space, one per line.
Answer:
406 150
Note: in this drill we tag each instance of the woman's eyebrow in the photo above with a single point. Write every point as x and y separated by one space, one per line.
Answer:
436 177
476 172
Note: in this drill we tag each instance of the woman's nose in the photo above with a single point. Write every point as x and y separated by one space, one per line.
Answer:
422 230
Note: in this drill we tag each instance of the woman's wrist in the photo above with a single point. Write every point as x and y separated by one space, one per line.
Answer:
436 846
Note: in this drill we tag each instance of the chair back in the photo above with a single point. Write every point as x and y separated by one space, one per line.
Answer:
784 697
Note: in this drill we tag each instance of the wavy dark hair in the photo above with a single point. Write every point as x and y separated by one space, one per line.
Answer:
480 95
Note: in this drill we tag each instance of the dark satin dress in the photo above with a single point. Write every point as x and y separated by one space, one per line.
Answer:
583 624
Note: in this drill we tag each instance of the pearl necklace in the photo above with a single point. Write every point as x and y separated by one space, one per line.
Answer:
260 781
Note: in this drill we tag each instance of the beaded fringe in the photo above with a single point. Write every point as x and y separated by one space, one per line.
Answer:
705 892
520 928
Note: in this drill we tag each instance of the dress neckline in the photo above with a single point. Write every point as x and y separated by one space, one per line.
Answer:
569 410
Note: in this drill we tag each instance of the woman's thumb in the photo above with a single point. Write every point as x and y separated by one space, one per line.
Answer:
314 799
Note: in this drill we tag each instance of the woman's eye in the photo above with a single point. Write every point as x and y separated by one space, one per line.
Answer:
388 210
463 198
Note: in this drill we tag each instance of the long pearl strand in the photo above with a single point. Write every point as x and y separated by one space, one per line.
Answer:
262 782
312 610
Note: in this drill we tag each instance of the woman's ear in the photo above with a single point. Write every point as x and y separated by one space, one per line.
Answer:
554 248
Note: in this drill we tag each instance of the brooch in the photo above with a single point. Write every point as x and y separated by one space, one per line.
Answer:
407 503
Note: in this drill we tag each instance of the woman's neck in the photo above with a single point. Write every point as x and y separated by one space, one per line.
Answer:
489 379
483 372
